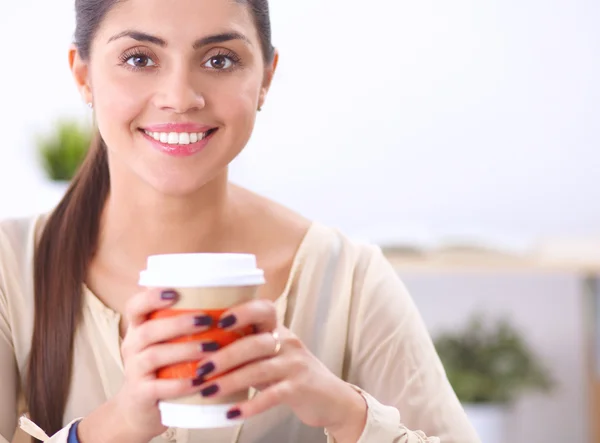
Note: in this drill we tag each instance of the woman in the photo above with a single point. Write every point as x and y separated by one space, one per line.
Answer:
175 87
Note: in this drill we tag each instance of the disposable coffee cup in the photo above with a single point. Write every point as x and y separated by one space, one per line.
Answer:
207 284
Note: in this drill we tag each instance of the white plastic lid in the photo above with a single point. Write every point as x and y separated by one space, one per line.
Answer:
201 270
175 415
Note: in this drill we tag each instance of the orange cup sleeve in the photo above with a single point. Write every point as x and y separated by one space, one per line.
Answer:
214 334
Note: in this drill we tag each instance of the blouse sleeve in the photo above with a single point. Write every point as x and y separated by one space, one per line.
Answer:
8 368
68 434
9 373
395 366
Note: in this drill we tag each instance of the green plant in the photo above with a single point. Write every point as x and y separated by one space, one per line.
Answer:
491 363
62 152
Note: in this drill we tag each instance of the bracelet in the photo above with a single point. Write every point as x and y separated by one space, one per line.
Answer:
73 438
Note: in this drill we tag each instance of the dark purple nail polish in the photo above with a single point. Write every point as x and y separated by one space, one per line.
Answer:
209 390
197 381
203 320
234 413
227 322
205 369
169 295
210 346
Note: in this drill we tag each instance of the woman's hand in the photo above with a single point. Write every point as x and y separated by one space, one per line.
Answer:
278 364
143 352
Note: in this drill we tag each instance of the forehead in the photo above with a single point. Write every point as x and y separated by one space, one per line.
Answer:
179 20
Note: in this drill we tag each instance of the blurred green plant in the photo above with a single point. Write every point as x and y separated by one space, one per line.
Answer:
491 363
62 152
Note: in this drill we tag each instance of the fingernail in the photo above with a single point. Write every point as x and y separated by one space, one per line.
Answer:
210 346
203 320
197 381
205 369
234 413
227 322
209 390
169 295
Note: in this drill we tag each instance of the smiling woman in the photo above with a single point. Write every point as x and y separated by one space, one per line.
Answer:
336 342
152 73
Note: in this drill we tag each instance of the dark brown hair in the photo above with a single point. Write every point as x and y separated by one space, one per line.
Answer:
68 243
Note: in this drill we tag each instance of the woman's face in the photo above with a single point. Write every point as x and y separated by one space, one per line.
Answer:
175 86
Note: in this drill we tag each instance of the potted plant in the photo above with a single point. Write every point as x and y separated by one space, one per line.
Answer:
490 365
62 152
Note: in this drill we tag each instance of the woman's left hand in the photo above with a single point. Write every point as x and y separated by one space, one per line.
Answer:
277 363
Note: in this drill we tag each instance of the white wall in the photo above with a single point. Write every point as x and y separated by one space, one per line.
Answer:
435 114
446 114
440 114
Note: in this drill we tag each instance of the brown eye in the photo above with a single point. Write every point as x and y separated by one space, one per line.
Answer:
219 62
140 61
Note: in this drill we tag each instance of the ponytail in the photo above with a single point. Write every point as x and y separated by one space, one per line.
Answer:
66 246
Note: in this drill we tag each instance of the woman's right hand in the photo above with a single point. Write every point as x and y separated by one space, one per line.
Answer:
144 352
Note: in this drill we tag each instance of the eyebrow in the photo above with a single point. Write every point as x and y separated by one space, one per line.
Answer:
208 40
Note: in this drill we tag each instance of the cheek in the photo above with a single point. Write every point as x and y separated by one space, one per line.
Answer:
236 103
118 101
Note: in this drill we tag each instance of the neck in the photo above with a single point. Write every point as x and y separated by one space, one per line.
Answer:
138 224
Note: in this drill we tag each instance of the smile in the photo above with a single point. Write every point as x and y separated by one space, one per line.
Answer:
179 144
179 138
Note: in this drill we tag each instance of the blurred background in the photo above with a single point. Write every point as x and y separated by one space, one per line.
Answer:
460 136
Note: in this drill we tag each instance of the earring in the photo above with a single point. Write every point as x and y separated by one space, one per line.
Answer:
90 105
259 108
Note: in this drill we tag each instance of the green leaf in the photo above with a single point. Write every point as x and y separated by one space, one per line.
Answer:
62 152
490 362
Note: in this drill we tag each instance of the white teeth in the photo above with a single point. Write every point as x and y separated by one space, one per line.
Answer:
184 138
177 138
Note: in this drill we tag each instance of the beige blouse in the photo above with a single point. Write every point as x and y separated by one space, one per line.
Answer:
343 300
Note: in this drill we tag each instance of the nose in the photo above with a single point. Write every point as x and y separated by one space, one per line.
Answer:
177 92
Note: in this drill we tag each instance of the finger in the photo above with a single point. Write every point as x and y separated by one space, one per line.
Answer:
258 313
273 396
261 373
243 351
166 389
160 330
141 305
153 358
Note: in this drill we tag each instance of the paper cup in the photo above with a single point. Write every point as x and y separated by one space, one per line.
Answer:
207 284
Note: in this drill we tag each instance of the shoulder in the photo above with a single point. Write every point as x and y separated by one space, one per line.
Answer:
327 245
17 229
17 235
354 269
18 238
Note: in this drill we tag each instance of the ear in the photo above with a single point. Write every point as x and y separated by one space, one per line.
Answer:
268 78
80 71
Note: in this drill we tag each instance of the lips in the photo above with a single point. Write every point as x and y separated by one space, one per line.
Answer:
179 143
